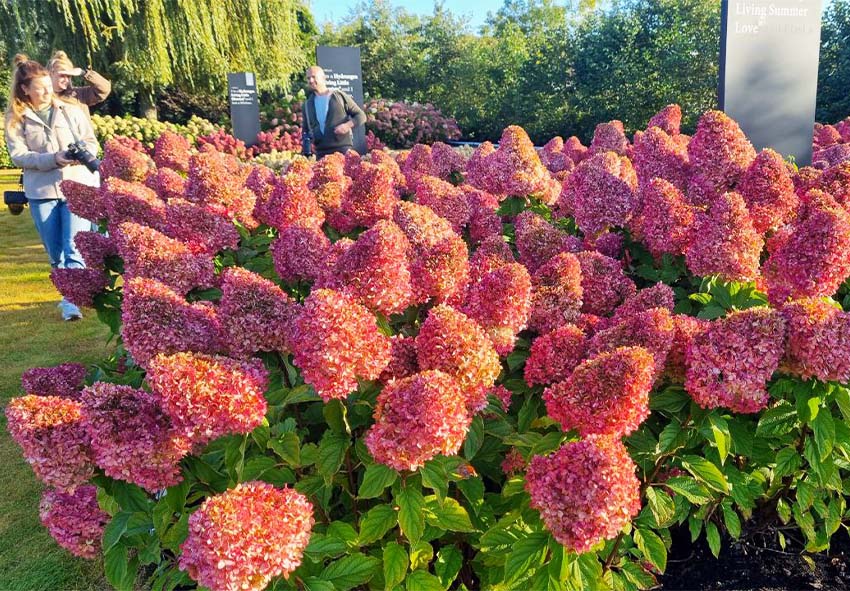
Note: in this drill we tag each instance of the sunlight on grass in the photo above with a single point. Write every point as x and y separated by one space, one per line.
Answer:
33 334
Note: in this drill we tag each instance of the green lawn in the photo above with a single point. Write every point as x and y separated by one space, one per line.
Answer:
33 334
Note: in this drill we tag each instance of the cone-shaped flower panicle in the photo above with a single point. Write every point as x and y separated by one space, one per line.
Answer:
814 258
490 255
605 395
768 191
207 396
445 199
484 222
818 340
372 196
600 193
417 165
84 200
171 150
74 520
609 137
132 439
501 303
123 162
403 362
167 184
241 539
217 179
156 319
95 247
132 202
299 253
201 226
418 418
65 380
556 293
669 119
54 443
586 491
555 355
836 181
150 253
663 219
335 342
78 285
453 343
538 241
658 155
686 328
446 162
603 282
290 203
719 153
659 295
730 362
724 242
651 329
256 315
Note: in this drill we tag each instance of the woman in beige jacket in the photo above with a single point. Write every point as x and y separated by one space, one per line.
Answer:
39 129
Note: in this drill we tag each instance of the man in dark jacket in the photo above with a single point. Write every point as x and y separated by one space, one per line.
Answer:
328 117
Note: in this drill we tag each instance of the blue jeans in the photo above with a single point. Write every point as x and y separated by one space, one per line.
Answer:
56 227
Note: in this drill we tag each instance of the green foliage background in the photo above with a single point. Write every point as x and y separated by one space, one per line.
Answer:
553 68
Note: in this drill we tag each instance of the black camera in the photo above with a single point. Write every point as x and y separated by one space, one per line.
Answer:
15 201
78 151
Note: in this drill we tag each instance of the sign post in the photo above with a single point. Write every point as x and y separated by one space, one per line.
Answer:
343 72
769 53
244 106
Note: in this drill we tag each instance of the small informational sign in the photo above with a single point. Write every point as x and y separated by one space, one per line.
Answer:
343 72
769 52
244 106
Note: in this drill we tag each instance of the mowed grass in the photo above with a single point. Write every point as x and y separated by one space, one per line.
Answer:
33 334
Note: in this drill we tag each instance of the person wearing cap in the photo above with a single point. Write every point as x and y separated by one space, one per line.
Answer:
62 70
328 117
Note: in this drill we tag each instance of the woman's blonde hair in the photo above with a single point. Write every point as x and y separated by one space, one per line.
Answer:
60 62
24 71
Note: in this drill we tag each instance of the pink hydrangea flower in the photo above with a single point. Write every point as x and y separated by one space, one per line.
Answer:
125 163
659 295
438 257
813 259
167 184
84 200
501 302
329 182
608 243
336 341
603 282
835 180
556 293
217 179
600 193
416 419
79 286
384 158
445 199
651 329
657 155
172 151
537 240
609 137
75 521
156 319
586 491
375 271
291 203
255 313
554 158
132 202
417 164
65 380
299 253
484 222
200 226
669 119
730 362
95 247
478 168
49 431
724 241
663 219
493 253
261 181
150 253
685 329
721 154
555 355
403 362
132 439
818 340
575 149
372 196
446 162
453 343
241 539
207 396
605 395
768 191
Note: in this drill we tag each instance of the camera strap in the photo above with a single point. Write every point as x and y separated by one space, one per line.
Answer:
70 125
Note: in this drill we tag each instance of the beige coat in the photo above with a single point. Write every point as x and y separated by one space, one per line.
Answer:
32 146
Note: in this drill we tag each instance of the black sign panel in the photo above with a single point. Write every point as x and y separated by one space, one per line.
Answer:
769 53
342 70
244 106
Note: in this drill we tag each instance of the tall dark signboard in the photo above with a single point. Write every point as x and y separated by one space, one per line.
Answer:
769 71
244 106
342 69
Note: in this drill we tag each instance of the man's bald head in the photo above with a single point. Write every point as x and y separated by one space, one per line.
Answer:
316 80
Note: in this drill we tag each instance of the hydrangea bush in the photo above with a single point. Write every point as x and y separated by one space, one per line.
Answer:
498 370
